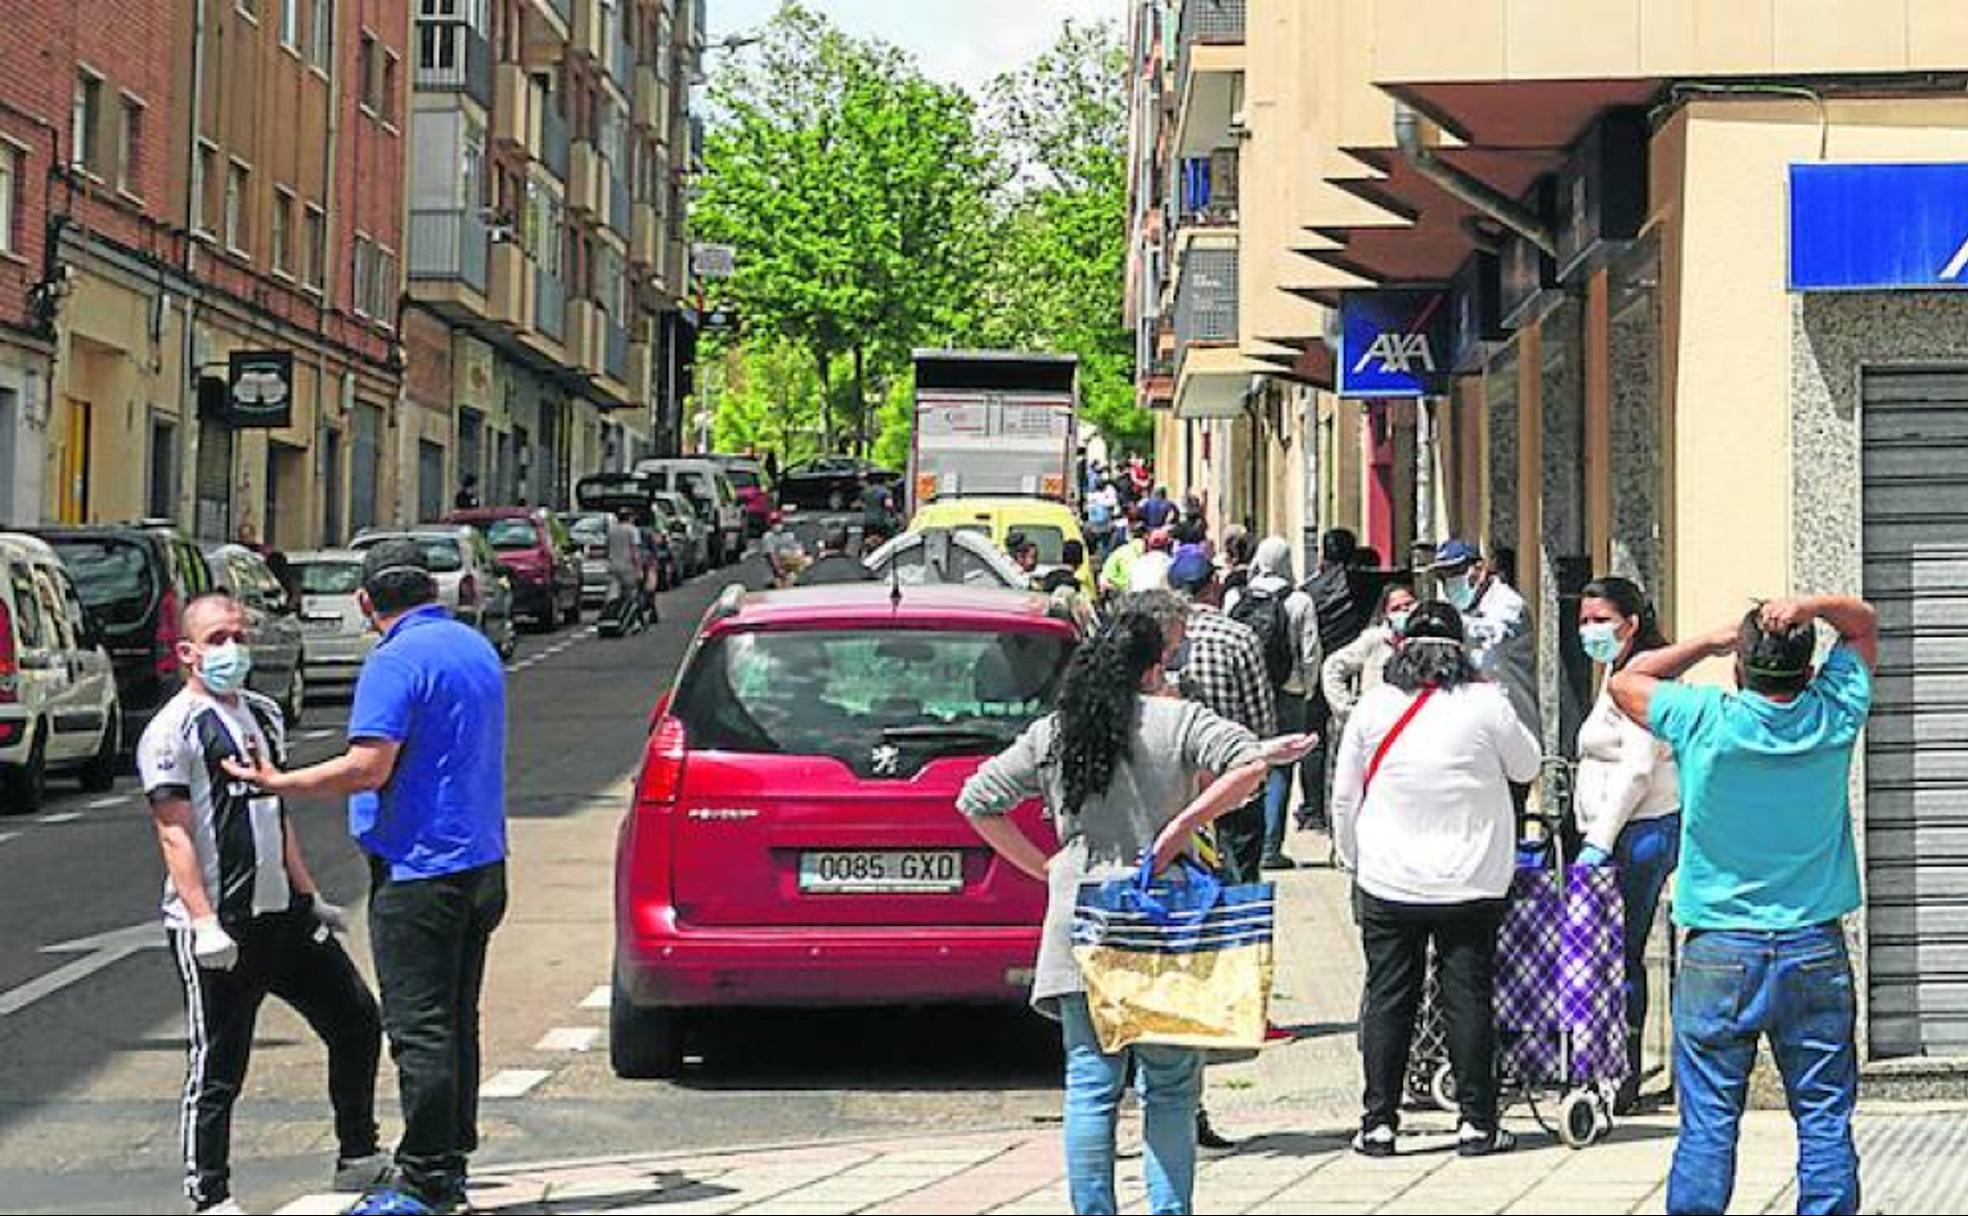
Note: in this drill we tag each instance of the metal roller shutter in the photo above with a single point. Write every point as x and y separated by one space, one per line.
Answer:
1915 427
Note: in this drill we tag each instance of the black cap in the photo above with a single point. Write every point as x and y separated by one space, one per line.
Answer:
389 556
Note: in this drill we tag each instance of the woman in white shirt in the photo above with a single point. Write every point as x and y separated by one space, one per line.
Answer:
1423 817
1628 803
1354 670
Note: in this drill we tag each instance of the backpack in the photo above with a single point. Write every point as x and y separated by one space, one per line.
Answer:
1264 613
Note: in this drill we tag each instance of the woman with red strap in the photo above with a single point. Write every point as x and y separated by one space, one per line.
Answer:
1423 817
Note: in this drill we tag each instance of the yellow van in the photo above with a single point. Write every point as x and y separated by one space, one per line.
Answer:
1048 524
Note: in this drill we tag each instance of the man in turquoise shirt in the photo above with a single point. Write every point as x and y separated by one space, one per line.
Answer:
1768 868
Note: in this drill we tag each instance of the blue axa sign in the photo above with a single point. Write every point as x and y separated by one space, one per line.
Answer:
1394 343
1878 227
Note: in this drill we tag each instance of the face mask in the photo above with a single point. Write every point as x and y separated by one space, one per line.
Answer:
225 668
1460 591
1398 621
1601 641
1173 665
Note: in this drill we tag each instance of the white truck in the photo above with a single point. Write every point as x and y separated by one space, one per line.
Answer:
991 422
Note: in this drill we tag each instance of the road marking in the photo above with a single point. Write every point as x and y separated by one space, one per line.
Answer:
103 804
61 817
569 1038
512 1082
98 951
598 999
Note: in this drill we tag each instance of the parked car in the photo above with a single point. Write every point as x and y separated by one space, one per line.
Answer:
469 579
335 636
546 567
831 483
135 579
747 479
58 703
689 531
273 626
1045 523
590 532
794 839
704 484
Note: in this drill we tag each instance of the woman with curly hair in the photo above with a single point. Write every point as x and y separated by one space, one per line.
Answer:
1117 764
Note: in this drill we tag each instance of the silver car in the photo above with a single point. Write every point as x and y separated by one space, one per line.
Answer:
590 532
470 580
690 532
335 636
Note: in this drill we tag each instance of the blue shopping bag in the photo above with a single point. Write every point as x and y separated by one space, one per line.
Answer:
1180 960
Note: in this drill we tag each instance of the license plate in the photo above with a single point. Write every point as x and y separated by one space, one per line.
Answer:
915 872
322 624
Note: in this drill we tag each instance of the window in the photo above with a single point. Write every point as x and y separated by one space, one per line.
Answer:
10 175
382 304
367 83
387 103
362 278
316 250
290 24
283 230
321 34
204 186
85 123
239 181
129 148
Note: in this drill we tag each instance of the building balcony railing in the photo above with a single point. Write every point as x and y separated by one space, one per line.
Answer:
642 364
586 180
649 108
515 116
1206 23
549 304
509 300
1205 297
646 235
449 246
452 57
556 150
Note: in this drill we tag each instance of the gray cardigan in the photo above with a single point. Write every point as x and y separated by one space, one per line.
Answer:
1174 743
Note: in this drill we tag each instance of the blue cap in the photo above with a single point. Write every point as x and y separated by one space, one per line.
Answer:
1190 570
1453 554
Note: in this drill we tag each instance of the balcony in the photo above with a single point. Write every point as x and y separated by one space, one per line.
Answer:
452 57
650 108
1209 78
587 181
1211 376
590 36
509 299
646 235
447 248
642 365
555 151
549 305
620 212
1209 190
584 336
515 113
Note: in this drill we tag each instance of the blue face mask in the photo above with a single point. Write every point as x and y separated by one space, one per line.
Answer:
224 668
1460 591
1600 641
1398 621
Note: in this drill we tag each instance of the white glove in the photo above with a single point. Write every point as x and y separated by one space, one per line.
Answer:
329 916
212 946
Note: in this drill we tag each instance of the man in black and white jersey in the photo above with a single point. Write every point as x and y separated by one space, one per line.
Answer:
242 912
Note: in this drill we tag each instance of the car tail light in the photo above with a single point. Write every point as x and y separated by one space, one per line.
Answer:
164 652
662 765
468 591
9 664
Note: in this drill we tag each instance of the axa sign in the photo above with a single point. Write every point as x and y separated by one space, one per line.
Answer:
1871 227
1394 343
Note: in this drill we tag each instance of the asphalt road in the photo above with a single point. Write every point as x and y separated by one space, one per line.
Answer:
92 1037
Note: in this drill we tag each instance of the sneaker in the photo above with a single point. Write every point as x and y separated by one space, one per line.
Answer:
390 1201
1208 1137
1374 1141
360 1175
1279 862
224 1207
1471 1141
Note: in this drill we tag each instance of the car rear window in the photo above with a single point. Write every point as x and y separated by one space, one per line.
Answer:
743 479
1050 540
328 578
851 694
113 577
512 534
442 552
590 529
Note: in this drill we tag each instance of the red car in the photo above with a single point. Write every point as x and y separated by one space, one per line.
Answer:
794 839
545 562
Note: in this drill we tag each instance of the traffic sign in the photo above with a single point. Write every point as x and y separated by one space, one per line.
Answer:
713 261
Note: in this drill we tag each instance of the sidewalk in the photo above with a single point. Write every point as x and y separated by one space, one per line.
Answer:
1294 1108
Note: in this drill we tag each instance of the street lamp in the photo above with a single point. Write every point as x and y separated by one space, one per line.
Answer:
729 44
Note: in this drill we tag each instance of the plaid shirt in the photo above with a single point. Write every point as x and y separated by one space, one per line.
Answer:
1226 671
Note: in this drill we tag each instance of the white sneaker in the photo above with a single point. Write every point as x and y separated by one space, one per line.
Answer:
224 1207
1471 1142
1377 1142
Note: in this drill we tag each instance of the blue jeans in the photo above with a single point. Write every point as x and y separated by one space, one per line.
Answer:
1171 1084
1278 783
1646 854
1795 987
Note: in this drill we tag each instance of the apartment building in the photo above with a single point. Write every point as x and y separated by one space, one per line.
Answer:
1668 288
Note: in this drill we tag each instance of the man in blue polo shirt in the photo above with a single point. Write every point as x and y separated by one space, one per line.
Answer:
1768 870
425 776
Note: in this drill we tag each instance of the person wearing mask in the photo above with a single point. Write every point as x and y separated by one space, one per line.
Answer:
1339 597
1502 643
1158 512
425 776
242 913
835 565
1627 800
1288 630
1357 668
1423 817
1118 764
1768 872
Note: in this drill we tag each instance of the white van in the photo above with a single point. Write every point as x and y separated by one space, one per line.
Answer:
702 481
58 704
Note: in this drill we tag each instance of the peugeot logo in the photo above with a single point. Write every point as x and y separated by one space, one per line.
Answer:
887 760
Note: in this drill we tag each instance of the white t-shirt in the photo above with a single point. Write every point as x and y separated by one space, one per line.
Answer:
1438 826
238 831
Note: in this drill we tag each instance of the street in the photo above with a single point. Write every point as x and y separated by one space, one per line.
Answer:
89 1097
